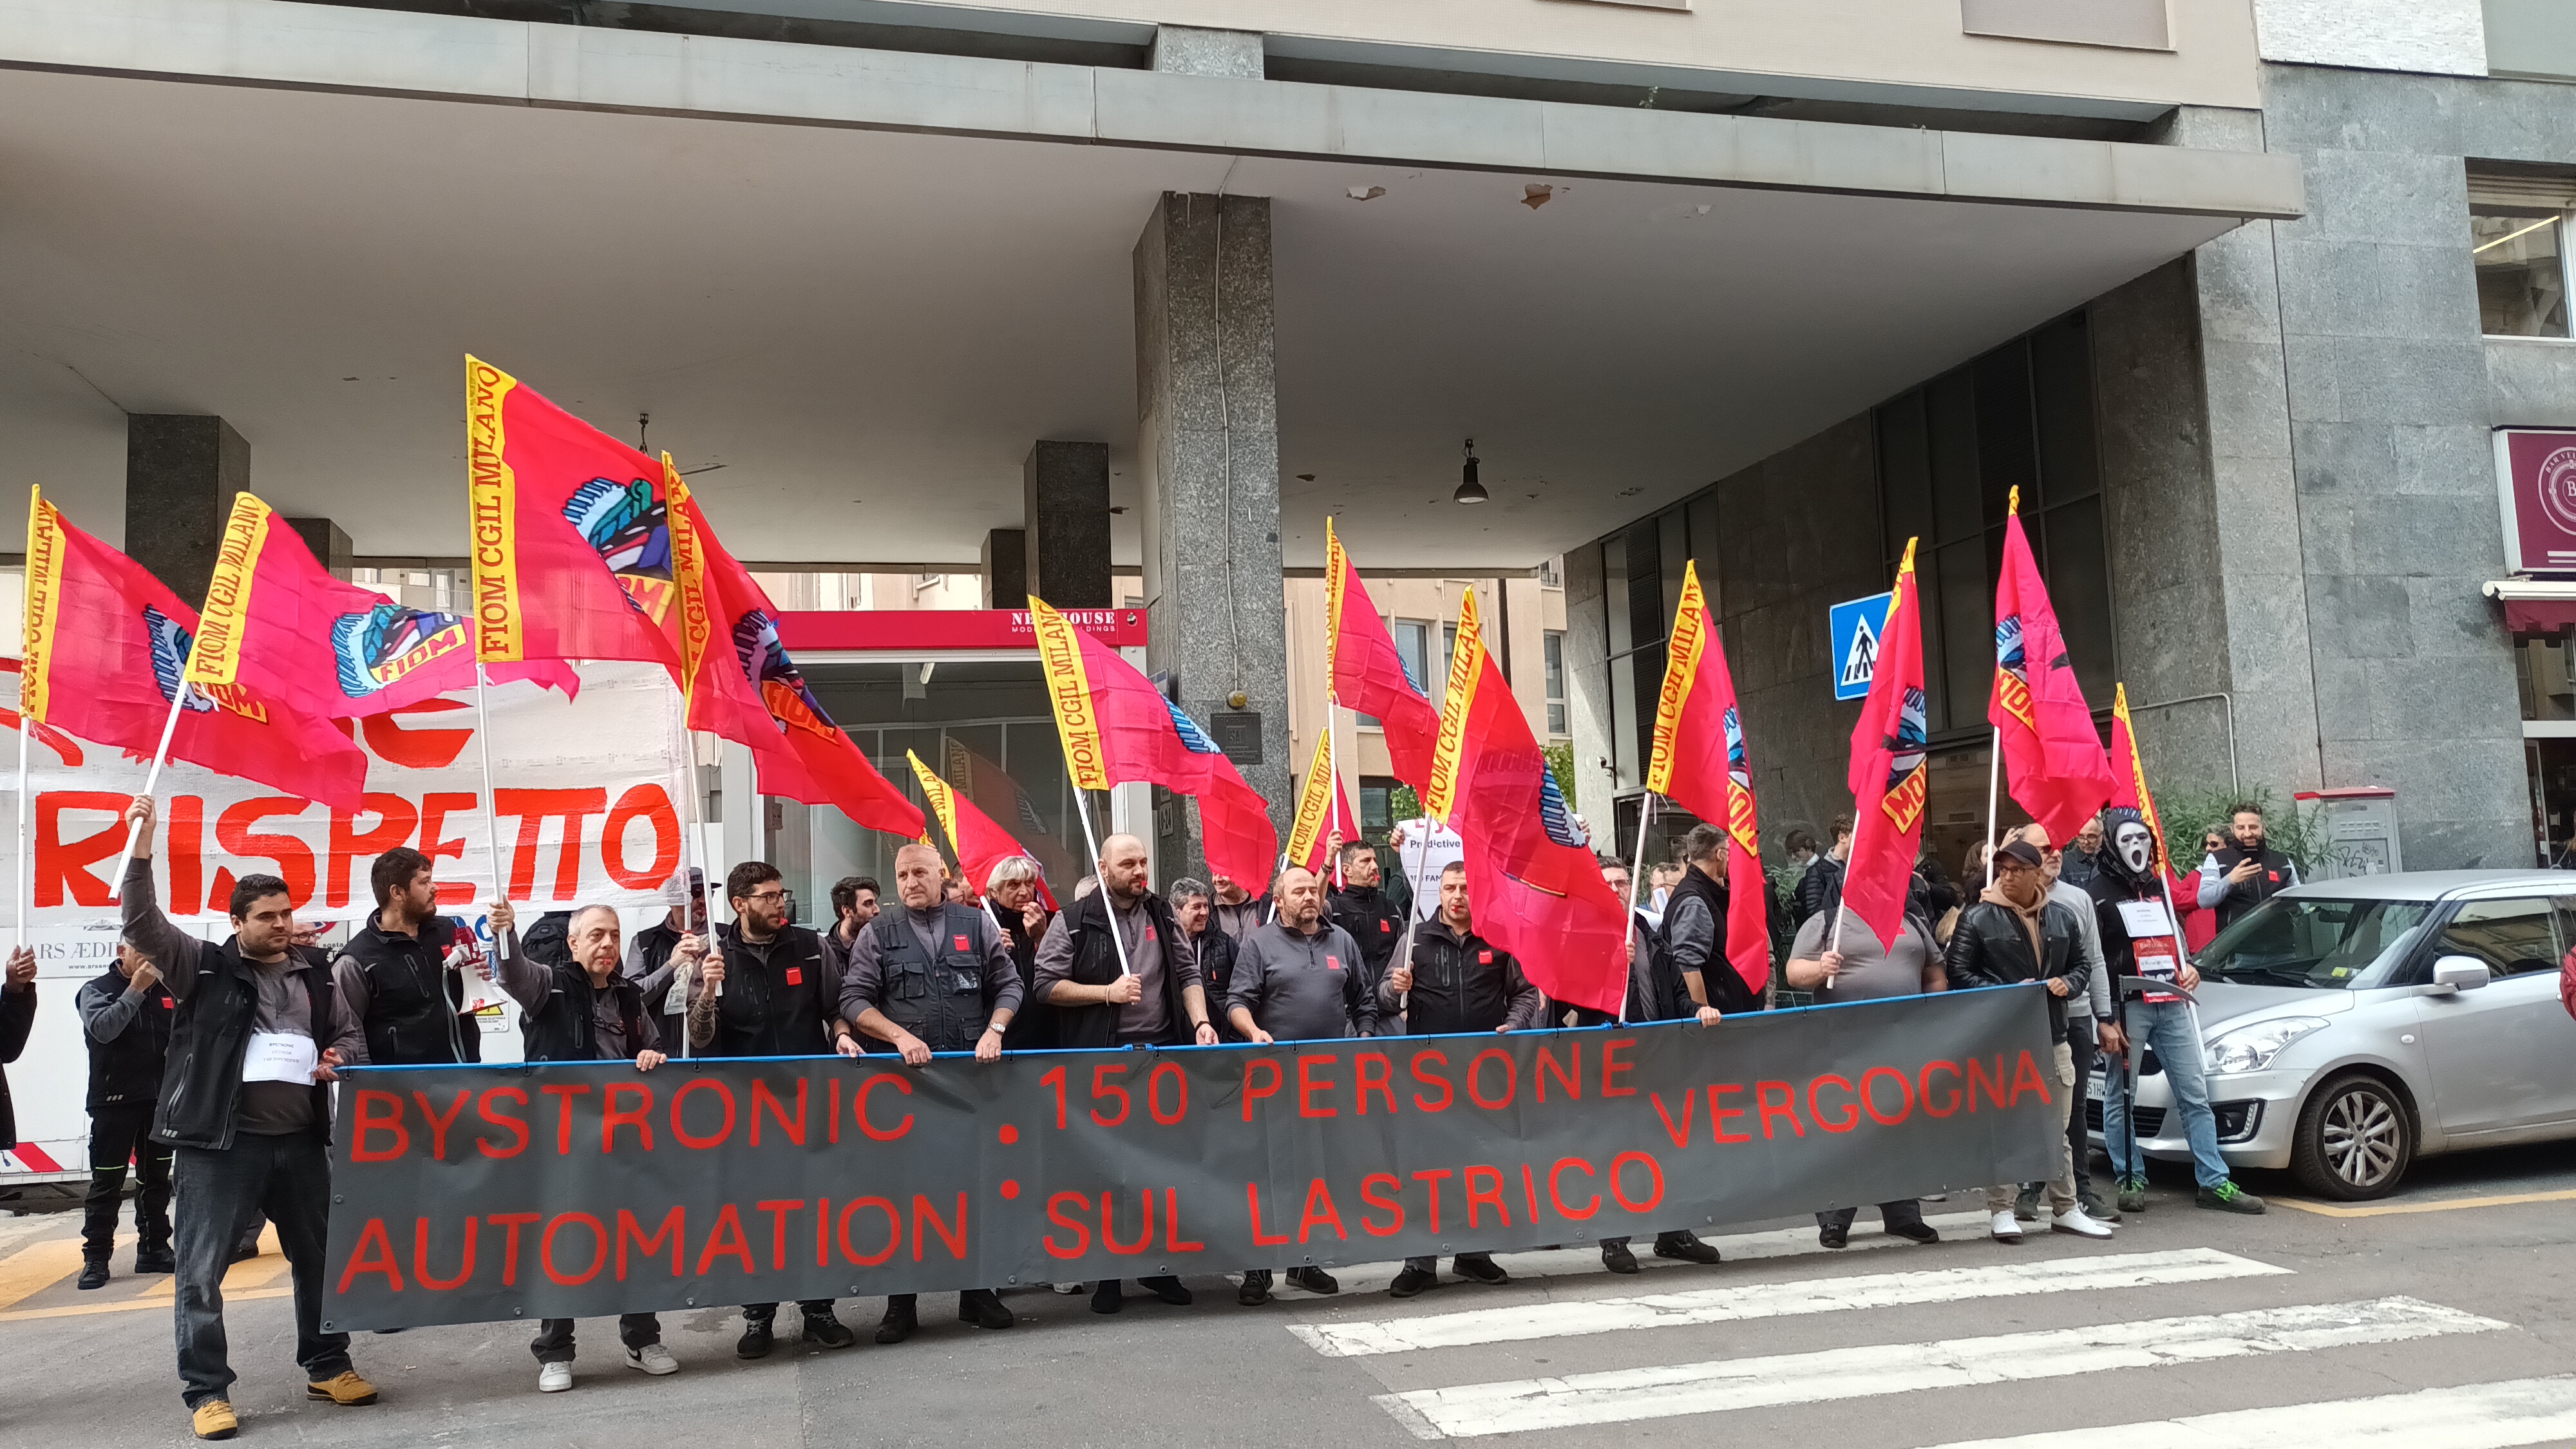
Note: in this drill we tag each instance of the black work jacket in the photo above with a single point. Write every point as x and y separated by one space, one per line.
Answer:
1990 947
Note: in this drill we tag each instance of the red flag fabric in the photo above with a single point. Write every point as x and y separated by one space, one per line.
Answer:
2053 759
979 844
107 649
1699 763
1322 808
1366 674
1889 777
796 750
280 625
571 544
723 697
994 792
1118 728
1533 886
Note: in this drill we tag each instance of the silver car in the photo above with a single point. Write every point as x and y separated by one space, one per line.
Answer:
2351 1026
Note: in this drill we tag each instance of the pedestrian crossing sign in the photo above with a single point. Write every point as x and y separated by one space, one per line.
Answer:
1854 628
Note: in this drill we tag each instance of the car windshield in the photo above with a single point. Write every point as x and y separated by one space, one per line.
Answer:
2315 941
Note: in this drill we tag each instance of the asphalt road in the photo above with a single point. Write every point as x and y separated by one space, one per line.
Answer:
2443 1318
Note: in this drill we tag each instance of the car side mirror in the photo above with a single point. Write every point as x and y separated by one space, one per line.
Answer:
2460 973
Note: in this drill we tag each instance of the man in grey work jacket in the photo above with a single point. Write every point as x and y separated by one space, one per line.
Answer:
1300 978
932 977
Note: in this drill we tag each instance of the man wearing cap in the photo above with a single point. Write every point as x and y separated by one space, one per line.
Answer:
650 959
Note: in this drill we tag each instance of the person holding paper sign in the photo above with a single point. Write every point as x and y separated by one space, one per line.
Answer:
2131 906
411 977
259 1030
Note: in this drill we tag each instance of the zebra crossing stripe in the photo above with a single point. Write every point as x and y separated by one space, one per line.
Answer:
1864 1371
1774 1300
2502 1415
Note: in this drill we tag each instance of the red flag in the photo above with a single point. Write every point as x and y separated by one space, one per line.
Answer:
1889 777
277 624
1532 884
994 792
2053 759
739 665
1366 674
1117 728
979 843
107 648
569 530
1322 806
1699 763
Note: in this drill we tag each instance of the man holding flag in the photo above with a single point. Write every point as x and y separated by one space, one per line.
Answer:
2045 743
1700 763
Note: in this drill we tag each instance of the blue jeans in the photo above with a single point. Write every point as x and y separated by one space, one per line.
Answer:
289 1179
2166 1026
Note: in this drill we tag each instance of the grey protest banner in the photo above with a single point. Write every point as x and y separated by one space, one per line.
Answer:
462 1194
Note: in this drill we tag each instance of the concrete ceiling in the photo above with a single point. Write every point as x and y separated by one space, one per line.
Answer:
867 329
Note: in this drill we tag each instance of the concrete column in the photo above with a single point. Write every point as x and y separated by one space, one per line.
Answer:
1004 561
1207 442
1067 546
181 472
328 541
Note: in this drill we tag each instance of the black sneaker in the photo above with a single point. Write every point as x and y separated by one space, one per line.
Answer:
1917 1231
1617 1258
93 1274
756 1341
1313 1280
1686 1246
2095 1208
1168 1289
1412 1281
983 1308
2227 1197
828 1330
1256 1288
901 1323
1106 1296
1833 1237
1479 1268
151 1263
2026 1206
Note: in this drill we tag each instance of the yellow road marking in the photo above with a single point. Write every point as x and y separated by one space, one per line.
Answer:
247 1274
128 1305
2445 1205
34 1268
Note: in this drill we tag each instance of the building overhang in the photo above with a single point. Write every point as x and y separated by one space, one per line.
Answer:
863 282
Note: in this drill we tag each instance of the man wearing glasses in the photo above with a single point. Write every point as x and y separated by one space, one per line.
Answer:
765 994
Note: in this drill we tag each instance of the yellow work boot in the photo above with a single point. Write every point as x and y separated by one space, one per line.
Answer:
214 1419
348 1390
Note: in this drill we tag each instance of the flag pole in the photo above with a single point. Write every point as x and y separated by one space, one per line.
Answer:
693 849
491 796
1099 868
151 783
1333 754
1636 882
1994 785
25 866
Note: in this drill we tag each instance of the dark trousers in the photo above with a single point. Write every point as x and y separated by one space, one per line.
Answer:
765 1312
1894 1214
115 1135
553 1343
2080 1045
289 1179
1432 1264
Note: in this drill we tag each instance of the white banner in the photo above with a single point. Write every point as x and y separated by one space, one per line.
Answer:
590 808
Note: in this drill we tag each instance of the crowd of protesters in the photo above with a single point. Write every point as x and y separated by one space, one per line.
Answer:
211 1063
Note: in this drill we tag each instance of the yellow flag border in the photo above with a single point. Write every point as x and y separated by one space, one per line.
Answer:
1069 697
943 802
2147 811
688 580
1337 565
1466 667
1314 802
216 659
44 594
492 516
1681 674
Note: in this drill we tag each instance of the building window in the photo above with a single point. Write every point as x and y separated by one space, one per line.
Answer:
1551 573
1377 810
1556 721
2518 241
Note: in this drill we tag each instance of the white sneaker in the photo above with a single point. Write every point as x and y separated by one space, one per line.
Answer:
652 1358
2007 1228
2073 1220
1069 1288
554 1378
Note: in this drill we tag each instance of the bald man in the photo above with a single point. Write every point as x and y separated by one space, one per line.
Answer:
1156 1001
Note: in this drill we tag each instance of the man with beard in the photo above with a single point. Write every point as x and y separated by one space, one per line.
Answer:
2138 940
933 977
1373 919
2246 874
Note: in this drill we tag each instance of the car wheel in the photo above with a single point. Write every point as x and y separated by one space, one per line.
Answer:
2355 1139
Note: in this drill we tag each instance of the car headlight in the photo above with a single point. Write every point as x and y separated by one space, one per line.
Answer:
2252 1048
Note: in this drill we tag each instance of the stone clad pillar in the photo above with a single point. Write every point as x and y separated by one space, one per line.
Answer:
181 472
1207 443
1065 550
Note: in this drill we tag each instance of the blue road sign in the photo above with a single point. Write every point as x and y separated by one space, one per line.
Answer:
1855 626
